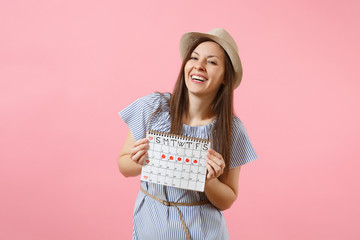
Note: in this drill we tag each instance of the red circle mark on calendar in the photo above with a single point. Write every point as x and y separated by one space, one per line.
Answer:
195 161
187 160
151 138
163 156
179 158
171 158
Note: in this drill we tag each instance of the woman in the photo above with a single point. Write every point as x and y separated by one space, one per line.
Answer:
200 106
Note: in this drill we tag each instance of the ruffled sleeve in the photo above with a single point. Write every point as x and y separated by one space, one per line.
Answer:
136 115
242 151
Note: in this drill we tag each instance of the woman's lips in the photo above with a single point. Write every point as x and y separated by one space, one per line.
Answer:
198 78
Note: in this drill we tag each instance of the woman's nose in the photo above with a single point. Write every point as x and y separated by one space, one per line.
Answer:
199 65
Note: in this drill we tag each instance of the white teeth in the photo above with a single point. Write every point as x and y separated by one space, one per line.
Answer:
198 78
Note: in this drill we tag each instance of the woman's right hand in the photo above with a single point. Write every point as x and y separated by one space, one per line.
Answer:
138 152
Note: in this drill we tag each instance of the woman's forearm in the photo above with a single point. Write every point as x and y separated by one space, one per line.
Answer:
219 194
128 167
132 156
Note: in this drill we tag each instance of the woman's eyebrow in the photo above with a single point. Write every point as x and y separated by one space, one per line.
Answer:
210 56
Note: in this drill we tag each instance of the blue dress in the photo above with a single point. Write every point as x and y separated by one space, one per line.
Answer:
154 220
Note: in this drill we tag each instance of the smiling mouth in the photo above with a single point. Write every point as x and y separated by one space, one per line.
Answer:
198 78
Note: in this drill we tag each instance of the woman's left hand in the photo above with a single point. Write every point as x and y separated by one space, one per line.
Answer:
215 164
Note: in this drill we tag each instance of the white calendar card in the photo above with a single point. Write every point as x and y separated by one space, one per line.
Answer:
176 161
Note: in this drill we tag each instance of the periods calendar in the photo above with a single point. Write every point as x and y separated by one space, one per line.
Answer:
175 161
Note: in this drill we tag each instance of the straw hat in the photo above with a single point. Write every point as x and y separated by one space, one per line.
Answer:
224 39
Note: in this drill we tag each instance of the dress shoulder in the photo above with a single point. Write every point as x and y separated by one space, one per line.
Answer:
154 100
136 115
242 151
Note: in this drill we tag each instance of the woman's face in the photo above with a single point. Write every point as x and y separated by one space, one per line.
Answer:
204 71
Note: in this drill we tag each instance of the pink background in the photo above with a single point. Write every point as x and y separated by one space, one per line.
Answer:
67 68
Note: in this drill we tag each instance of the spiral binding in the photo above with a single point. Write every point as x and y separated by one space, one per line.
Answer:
176 136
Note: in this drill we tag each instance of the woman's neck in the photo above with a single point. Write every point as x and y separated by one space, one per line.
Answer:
199 111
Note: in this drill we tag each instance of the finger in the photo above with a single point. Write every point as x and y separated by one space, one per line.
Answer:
216 154
217 169
143 158
136 149
136 157
141 141
218 161
210 171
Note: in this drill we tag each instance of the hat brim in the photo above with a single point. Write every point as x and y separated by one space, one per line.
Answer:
189 38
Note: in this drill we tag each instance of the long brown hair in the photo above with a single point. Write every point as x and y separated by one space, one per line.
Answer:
222 106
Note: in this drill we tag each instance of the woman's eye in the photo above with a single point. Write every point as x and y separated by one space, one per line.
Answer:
193 58
212 62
